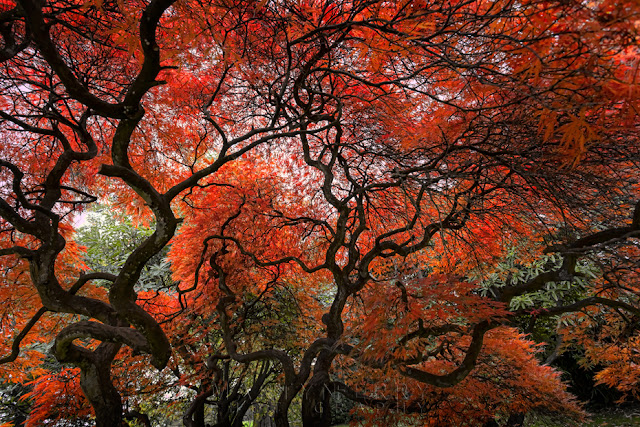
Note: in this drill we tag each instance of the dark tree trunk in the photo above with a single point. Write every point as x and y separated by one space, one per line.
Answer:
316 410
223 423
194 416
95 380
248 398
316 407
280 415
198 416
316 399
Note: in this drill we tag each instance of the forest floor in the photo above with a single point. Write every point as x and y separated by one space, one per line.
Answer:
616 420
616 417
611 417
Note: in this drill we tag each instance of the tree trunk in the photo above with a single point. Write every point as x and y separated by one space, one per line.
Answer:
316 408
95 381
280 415
103 396
194 416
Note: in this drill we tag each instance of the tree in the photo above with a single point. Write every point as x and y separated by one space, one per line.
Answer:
346 167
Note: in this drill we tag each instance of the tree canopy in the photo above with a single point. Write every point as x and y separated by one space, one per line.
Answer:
305 199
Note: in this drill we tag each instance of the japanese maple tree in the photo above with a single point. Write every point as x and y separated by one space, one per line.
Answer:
338 183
